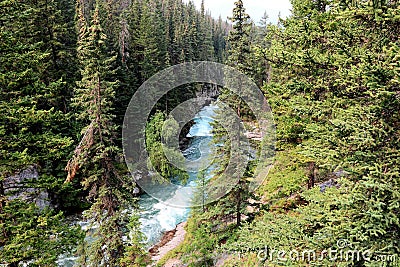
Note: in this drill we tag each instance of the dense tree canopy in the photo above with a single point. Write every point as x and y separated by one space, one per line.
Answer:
330 72
68 70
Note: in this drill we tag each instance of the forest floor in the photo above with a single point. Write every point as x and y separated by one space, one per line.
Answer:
170 240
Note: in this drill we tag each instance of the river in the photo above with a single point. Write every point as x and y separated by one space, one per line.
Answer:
156 217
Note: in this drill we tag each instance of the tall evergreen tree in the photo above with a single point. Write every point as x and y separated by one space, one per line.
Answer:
95 159
238 55
239 39
148 41
39 66
34 123
219 41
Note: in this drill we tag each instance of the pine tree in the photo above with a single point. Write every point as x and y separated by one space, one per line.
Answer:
261 44
135 255
147 43
205 29
238 55
219 41
200 196
95 158
239 39
29 234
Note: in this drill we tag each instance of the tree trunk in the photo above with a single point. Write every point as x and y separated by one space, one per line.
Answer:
1 189
238 204
311 175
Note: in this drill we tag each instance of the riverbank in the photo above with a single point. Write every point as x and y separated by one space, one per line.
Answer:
169 241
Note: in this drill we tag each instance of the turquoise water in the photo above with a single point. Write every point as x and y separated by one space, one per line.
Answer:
157 217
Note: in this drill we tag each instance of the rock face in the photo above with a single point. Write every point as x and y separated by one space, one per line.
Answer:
21 184
332 182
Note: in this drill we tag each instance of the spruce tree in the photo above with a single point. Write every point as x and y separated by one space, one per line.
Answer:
219 41
238 55
95 160
239 39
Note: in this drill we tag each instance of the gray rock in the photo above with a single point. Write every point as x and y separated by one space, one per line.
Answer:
20 186
328 184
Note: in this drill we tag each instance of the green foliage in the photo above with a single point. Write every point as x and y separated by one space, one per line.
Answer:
62 89
200 194
35 236
334 91
36 76
95 158
201 239
248 260
158 131
135 255
34 125
308 227
287 176
204 242
230 142
219 41
239 38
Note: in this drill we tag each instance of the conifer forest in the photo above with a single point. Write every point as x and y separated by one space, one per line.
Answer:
203 182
